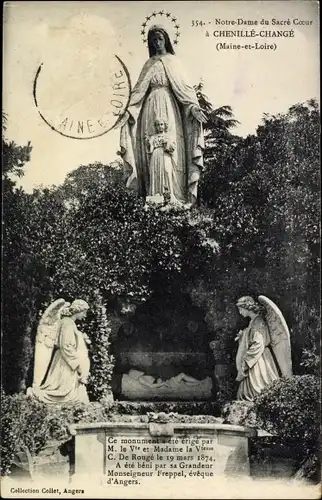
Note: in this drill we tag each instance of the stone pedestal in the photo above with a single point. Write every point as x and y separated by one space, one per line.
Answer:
112 449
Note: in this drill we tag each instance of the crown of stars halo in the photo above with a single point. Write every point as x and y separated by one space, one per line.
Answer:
151 20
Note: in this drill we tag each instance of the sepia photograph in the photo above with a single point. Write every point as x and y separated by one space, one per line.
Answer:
161 250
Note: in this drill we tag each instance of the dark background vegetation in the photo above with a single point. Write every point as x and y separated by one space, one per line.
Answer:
165 280
255 231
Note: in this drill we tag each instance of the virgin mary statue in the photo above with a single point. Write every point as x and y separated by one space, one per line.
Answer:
163 95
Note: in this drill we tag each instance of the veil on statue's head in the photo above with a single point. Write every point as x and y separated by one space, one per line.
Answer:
168 45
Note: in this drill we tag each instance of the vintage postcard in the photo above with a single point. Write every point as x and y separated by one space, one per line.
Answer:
161 250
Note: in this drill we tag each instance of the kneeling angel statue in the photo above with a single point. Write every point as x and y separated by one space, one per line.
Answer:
264 350
62 365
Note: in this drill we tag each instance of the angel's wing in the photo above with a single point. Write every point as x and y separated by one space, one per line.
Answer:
280 335
45 339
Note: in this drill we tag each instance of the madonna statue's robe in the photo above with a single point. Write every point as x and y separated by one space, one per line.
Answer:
162 92
62 385
254 355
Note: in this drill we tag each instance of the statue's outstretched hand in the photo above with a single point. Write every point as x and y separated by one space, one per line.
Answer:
197 113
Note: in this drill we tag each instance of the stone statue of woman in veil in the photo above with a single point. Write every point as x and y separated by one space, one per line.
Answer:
162 94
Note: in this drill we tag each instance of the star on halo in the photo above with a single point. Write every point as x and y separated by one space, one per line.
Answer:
168 15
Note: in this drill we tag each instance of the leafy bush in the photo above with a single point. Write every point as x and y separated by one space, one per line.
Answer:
23 425
290 409
8 435
102 362
311 360
28 423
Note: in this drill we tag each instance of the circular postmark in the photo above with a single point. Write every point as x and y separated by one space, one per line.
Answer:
82 101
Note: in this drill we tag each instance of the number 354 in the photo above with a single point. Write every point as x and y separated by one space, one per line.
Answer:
197 23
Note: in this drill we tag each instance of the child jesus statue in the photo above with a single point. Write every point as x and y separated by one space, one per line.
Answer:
161 150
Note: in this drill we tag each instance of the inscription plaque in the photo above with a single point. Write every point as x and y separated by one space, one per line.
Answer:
139 454
135 458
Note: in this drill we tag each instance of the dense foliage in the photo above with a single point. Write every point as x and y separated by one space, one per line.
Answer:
22 276
266 193
87 244
290 409
255 231
23 425
264 200
102 361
